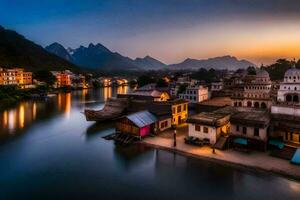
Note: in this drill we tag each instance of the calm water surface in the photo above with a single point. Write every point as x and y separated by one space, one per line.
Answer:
49 151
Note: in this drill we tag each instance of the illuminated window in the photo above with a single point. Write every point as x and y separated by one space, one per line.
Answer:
179 108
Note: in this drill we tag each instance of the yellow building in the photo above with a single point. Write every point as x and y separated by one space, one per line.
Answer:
179 111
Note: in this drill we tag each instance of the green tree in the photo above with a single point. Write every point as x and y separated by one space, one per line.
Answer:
251 70
161 83
45 76
278 69
144 80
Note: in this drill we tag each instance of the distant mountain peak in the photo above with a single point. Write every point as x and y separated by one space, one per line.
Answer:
221 62
59 50
149 62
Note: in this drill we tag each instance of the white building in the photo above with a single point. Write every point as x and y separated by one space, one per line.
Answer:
209 126
286 111
195 94
289 89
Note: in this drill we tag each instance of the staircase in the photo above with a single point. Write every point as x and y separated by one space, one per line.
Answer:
221 143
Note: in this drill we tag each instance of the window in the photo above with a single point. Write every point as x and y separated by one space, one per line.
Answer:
174 111
237 128
179 109
184 107
197 128
205 129
256 131
245 130
164 124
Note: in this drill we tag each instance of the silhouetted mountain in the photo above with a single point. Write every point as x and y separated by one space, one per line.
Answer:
59 50
224 62
17 51
149 63
99 57
94 57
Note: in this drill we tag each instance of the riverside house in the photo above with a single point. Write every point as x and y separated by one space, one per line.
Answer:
179 111
138 124
15 76
250 127
209 126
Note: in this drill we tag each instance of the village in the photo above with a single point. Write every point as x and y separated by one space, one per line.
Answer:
62 79
243 119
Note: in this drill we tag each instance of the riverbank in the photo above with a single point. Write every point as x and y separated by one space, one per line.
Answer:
257 161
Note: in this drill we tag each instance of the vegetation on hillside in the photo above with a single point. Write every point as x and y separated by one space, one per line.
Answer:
17 51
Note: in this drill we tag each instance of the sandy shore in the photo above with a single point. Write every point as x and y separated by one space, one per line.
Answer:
255 160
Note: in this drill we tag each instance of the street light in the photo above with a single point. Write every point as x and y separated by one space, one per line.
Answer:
174 134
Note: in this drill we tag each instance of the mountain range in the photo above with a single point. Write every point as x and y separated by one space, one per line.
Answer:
17 51
97 56
100 57
223 62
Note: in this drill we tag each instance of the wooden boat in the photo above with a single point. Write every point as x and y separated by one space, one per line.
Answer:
113 108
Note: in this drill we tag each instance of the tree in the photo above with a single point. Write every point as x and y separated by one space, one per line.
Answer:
161 83
144 80
251 70
278 69
45 76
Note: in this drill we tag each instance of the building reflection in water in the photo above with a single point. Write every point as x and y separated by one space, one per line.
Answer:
64 103
21 115
107 91
13 121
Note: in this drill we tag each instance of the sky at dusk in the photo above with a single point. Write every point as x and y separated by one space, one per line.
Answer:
170 30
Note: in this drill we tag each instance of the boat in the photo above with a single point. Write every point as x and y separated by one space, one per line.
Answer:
113 109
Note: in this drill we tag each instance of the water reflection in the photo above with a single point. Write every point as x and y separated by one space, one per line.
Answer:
127 157
16 120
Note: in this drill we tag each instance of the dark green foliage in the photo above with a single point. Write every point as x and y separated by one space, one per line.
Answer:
251 70
277 70
182 88
144 80
206 75
17 51
45 76
161 83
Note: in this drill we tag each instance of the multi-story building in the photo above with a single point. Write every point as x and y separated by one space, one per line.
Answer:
63 78
286 111
253 91
15 76
179 111
195 94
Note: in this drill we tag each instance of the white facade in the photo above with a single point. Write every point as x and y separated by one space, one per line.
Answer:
212 133
165 124
289 90
205 132
195 94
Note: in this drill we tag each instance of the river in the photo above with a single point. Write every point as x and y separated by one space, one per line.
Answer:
49 151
